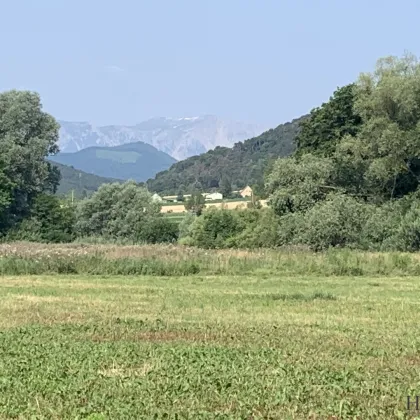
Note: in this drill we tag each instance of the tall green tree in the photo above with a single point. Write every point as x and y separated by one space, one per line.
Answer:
181 192
49 220
225 187
386 149
118 211
27 136
329 123
296 185
195 203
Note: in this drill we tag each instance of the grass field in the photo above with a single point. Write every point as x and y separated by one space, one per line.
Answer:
261 343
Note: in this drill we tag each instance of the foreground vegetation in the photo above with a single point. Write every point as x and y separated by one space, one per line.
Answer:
271 340
170 260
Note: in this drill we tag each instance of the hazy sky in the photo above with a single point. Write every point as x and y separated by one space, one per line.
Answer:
266 61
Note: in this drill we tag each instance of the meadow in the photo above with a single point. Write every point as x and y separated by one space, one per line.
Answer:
121 332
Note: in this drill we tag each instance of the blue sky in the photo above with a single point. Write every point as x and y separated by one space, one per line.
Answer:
264 61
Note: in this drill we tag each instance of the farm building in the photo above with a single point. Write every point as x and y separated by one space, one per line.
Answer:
246 192
213 196
173 198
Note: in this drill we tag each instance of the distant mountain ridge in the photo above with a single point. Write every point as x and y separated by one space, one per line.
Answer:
138 161
178 137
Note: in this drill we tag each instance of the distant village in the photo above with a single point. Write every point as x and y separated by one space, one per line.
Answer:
214 196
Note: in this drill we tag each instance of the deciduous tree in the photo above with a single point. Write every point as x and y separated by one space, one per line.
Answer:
27 136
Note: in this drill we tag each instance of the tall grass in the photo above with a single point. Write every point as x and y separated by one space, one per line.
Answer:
172 260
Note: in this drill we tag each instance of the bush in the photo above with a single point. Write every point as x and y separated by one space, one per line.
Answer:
393 226
336 222
406 234
260 229
159 230
185 227
120 211
49 220
290 228
214 227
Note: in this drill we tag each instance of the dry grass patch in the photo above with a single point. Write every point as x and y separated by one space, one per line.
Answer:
127 372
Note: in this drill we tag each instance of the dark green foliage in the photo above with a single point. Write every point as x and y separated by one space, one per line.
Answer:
49 220
393 226
138 161
336 222
329 123
159 230
219 228
357 162
259 191
214 228
123 211
195 203
82 184
259 229
180 197
225 187
243 164
27 136
297 184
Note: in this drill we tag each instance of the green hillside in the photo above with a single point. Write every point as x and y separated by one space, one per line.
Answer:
82 183
138 161
243 164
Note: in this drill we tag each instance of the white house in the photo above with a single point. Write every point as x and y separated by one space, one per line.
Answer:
214 196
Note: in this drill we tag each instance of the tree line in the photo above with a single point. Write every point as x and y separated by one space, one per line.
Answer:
352 180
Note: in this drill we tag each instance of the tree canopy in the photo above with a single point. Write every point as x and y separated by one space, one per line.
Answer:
27 136
360 150
117 211
327 124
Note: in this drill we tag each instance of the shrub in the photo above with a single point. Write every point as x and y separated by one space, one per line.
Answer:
260 229
185 227
214 227
119 211
49 220
159 230
407 233
336 222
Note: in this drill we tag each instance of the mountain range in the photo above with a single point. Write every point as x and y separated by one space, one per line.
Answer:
243 164
138 161
178 137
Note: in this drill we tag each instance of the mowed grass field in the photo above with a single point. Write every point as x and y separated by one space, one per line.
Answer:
256 345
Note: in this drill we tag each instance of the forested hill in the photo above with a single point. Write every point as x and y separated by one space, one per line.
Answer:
243 164
81 183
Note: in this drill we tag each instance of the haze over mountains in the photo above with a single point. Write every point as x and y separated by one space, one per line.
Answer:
138 161
178 137
242 163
